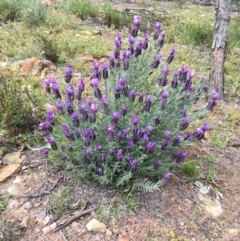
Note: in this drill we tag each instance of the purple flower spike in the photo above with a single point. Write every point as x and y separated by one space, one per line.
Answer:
70 93
75 120
138 50
156 62
145 42
94 82
150 147
68 74
149 129
171 56
131 40
59 106
165 179
133 94
136 24
158 120
111 152
157 164
64 156
135 120
52 142
156 31
80 89
117 49
133 165
205 127
119 154
174 82
163 80
177 140
88 153
110 131
56 91
115 117
70 147
105 105
163 102
141 96
69 107
82 109
45 152
99 148
162 40
148 103
165 141
95 65
119 136
185 123
117 91
122 81
145 138
47 83
124 110
199 134
103 157
50 116
100 171
131 47
130 145
213 103
105 70
189 136
181 156
203 80
125 132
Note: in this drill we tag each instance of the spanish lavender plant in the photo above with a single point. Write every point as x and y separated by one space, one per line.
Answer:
139 128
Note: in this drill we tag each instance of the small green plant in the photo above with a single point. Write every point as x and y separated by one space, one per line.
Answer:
210 173
61 202
9 10
190 169
21 104
9 231
3 204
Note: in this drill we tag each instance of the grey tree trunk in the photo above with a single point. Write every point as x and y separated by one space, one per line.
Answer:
216 80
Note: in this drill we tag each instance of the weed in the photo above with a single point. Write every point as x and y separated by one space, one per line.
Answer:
190 169
210 173
3 204
61 202
9 231
9 10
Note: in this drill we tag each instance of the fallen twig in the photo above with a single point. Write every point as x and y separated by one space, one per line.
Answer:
236 145
34 149
43 193
66 222
62 235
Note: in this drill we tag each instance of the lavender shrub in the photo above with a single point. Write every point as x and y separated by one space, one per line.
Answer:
134 128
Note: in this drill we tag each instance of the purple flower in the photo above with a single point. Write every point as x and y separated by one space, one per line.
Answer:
94 82
50 116
117 49
162 40
163 102
205 127
130 144
117 91
82 109
64 156
56 91
127 55
45 152
97 92
115 117
65 127
141 95
110 130
138 50
59 106
103 157
174 82
135 120
75 120
149 129
45 127
156 62
179 156
70 147
131 47
188 82
150 147
100 171
131 40
124 110
156 31
105 105
189 136
198 133
119 154
185 123
88 153
177 140
171 56
122 81
69 135
52 142
165 179
158 120
165 141
145 42
99 148
111 152
105 70
93 108
203 80
77 134
68 74
136 24
119 136
133 94
145 138
92 134
157 164
80 89
70 93
69 107
47 83
148 103
163 80
183 74
133 165
125 132
213 103
86 135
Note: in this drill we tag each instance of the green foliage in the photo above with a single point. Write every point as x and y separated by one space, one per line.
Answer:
10 231
3 204
21 105
234 33
9 10
190 169
61 202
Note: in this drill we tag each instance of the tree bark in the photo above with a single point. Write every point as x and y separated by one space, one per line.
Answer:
216 79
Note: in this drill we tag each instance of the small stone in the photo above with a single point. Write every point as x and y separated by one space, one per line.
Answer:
96 226
24 222
36 205
13 204
181 223
13 190
42 215
48 229
108 234
74 224
28 205
232 232
17 180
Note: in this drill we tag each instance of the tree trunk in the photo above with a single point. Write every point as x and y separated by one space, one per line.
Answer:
216 80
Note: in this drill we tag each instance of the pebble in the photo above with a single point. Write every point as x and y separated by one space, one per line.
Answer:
96 226
232 232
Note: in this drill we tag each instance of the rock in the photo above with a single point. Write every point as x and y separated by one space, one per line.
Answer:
12 158
49 65
13 204
208 197
74 224
24 222
17 180
14 190
41 215
28 205
48 229
108 234
96 226
8 170
232 232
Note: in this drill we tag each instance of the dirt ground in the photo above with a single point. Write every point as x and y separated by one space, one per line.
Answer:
172 213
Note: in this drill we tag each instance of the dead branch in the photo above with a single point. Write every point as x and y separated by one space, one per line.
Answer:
67 221
43 193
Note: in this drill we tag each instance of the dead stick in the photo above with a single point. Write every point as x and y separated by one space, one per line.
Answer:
76 216
43 193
